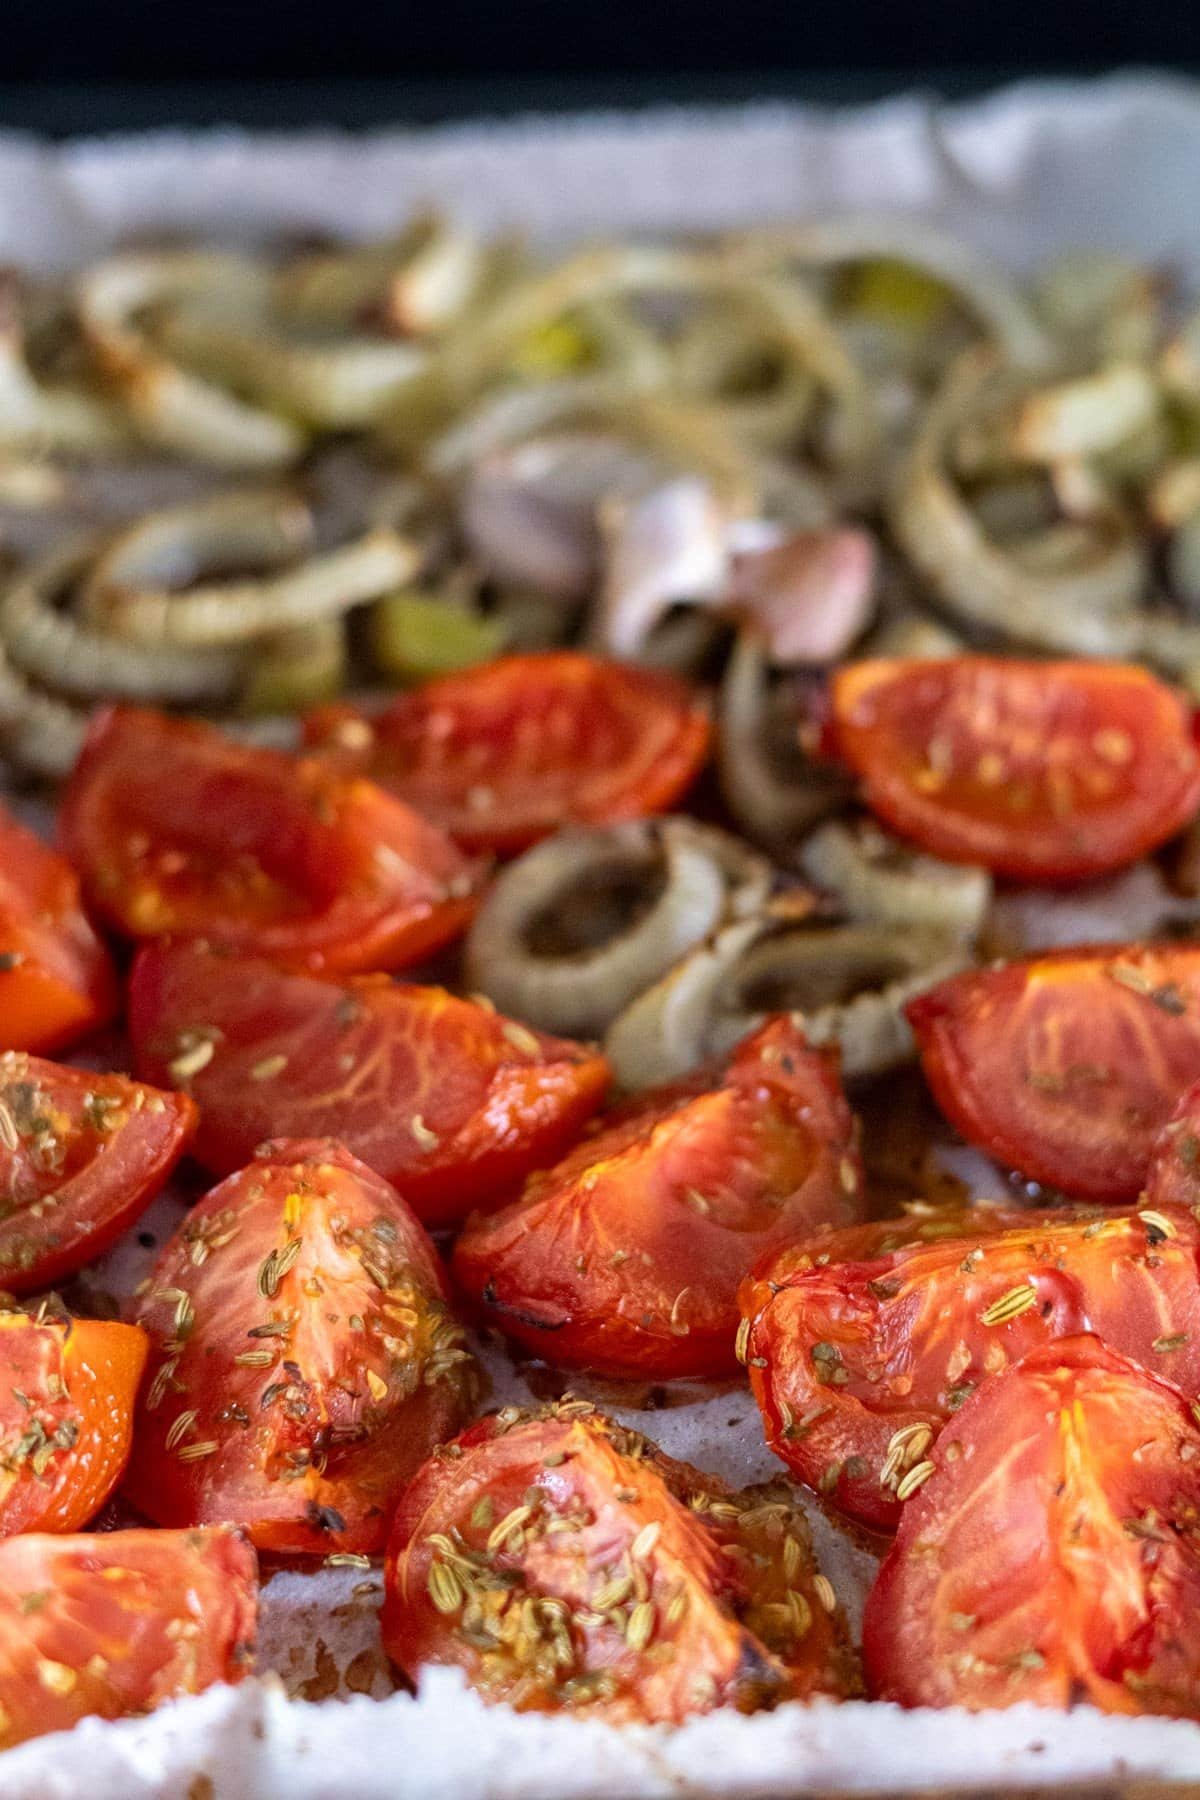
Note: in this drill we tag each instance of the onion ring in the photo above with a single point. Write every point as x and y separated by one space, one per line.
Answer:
878 880
695 876
775 801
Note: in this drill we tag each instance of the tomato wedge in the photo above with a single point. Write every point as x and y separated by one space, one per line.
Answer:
1173 1177
1066 1066
67 1388
564 1563
112 1623
177 829
442 1096
304 1360
1053 1553
508 752
57 982
1046 771
81 1156
626 1256
857 1358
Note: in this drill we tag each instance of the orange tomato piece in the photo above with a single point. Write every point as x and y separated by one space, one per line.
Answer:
57 981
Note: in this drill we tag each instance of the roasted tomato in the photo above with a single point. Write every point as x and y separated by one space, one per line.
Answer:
56 980
1046 771
117 1622
1173 1178
81 1155
563 1562
67 1388
442 1096
626 1256
176 829
508 752
304 1360
1066 1066
1053 1551
858 1358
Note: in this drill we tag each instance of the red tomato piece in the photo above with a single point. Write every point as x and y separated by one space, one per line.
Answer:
57 982
440 1095
1053 1553
178 830
304 1359
857 1358
1046 771
1066 1066
67 1388
644 1590
81 1156
506 753
1173 1178
626 1256
113 1623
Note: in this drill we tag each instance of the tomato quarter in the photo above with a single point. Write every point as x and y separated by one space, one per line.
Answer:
1173 1177
56 980
1066 1066
117 1622
67 1388
626 1256
442 1096
304 1359
508 752
177 829
1046 771
563 1562
1053 1553
858 1355
81 1156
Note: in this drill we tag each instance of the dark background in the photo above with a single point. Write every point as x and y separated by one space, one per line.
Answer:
71 65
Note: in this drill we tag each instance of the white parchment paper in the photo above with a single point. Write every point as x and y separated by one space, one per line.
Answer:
1025 174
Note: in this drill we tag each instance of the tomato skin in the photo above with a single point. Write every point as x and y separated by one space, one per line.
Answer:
506 753
846 1352
81 1157
178 830
1173 1177
1044 771
292 1391
442 1096
625 1258
1054 1552
648 1532
111 1623
57 981
1066 1066
65 1442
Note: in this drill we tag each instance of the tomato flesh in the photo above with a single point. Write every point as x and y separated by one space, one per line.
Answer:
304 1360
1066 1066
178 830
440 1095
625 1585
626 1256
508 752
112 1623
1044 771
859 1355
81 1156
57 981
67 1388
1053 1553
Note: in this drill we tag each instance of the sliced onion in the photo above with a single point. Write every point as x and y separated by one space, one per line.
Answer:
175 546
228 613
1174 494
881 881
846 984
44 640
669 547
775 793
1086 416
37 416
1086 609
40 734
662 885
165 404
984 290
